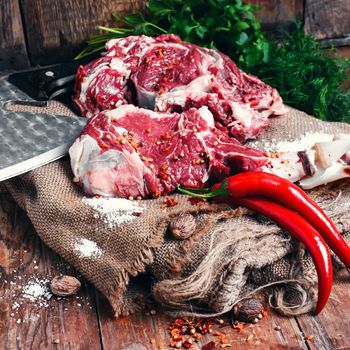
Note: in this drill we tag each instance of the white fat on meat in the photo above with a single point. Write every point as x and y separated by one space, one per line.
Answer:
108 174
197 89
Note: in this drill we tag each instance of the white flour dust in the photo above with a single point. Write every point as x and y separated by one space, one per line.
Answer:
87 248
115 211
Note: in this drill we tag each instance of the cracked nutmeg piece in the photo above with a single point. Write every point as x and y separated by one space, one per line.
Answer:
182 226
248 310
64 285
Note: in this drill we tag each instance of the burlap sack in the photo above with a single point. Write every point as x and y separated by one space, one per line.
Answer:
232 251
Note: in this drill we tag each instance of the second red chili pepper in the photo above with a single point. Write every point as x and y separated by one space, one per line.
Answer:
282 191
299 228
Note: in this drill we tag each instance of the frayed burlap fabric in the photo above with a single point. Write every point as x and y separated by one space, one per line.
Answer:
232 253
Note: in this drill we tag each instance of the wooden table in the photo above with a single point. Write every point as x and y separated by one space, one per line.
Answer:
84 321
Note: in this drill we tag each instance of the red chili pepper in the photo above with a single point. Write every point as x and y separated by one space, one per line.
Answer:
259 184
302 230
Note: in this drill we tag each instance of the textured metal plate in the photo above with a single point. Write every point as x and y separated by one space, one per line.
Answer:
29 140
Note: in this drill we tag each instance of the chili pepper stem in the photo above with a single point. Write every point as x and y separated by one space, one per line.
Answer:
195 190
221 191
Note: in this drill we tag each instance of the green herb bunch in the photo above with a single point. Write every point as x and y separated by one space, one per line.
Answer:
229 26
306 77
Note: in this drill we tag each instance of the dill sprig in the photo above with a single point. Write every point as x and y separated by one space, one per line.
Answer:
307 77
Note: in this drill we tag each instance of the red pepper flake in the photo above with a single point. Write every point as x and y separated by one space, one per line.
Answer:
197 201
187 344
104 146
160 53
197 161
209 346
175 333
133 143
164 167
169 202
166 136
156 194
161 92
148 130
221 336
152 341
264 313
309 337
148 60
238 325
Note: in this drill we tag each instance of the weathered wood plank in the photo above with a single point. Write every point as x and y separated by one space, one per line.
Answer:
278 13
326 19
136 332
57 29
13 52
330 329
37 322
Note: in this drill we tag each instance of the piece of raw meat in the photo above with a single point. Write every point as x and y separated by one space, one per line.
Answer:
167 75
135 152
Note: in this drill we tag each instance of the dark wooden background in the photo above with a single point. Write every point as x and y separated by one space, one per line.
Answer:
39 32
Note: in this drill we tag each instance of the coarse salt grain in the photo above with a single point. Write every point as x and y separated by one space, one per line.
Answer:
115 211
36 289
87 248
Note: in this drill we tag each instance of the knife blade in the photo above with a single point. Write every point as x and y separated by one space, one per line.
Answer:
29 140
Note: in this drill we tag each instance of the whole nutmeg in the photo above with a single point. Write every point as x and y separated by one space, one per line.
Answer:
64 285
182 226
248 310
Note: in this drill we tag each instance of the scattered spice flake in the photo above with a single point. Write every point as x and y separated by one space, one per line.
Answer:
187 344
309 337
175 333
238 325
221 336
197 201
152 341
169 202
209 346
159 53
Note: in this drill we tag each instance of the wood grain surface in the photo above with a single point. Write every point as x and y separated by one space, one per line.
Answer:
57 29
66 323
276 14
85 322
326 19
12 43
